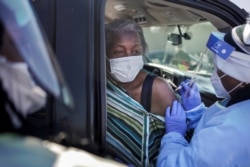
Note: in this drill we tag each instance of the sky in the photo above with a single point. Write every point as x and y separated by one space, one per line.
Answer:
242 4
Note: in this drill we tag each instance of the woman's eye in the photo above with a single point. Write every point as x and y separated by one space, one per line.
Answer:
118 53
136 52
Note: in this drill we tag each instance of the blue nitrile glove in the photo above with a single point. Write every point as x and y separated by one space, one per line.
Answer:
175 118
190 95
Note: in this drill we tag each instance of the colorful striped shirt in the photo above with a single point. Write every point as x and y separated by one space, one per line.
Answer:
133 134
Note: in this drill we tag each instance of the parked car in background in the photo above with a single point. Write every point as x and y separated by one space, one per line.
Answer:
75 29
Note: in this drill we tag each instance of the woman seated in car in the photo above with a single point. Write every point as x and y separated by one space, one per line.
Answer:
136 99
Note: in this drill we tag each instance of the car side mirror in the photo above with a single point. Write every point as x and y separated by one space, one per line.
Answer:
174 39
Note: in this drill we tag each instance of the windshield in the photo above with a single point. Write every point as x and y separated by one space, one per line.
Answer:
184 55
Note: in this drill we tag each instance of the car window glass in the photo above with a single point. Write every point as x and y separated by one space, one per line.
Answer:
185 56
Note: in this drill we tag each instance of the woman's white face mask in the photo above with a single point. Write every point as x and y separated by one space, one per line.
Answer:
125 69
220 91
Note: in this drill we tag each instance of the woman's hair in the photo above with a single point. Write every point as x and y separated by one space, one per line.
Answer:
121 26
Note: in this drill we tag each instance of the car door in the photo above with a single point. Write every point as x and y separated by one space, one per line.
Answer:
75 29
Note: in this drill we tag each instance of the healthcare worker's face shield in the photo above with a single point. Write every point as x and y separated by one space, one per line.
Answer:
233 63
21 26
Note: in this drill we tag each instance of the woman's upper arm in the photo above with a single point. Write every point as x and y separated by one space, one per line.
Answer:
162 96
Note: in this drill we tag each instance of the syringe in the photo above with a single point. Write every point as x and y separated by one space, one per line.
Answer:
193 78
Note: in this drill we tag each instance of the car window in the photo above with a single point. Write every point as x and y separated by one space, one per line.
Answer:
184 56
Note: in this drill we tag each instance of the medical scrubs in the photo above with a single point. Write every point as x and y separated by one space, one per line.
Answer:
221 138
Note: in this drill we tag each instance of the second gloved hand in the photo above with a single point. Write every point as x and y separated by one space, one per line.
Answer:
175 119
190 95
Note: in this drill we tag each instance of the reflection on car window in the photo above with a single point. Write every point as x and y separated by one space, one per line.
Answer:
184 56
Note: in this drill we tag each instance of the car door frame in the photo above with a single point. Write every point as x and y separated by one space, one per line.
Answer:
75 30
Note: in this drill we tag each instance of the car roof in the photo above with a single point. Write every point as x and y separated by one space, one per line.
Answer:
171 13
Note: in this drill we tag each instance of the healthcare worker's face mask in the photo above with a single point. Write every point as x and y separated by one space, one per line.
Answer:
125 69
220 91
20 88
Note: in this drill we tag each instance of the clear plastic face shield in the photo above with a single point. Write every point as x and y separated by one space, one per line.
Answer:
20 25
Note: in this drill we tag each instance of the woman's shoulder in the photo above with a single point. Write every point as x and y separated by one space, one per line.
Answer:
162 85
162 95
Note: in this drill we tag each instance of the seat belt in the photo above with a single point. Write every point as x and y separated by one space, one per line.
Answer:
147 92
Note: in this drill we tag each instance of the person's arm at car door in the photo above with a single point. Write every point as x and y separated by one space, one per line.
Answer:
162 96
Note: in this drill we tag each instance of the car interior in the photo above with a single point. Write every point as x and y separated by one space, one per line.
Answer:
177 25
76 32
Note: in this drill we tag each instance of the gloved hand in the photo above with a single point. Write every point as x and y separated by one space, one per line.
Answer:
175 118
190 95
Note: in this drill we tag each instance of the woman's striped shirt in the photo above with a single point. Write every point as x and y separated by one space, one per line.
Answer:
133 134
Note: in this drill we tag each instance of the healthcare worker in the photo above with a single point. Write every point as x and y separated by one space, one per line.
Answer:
221 132
28 75
28 72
